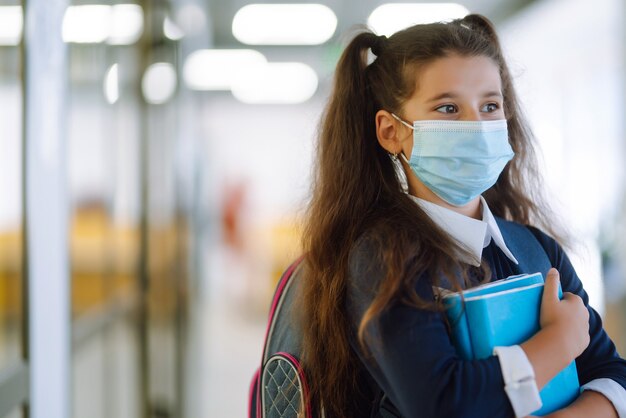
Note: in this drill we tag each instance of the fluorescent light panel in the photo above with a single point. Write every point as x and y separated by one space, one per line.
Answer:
392 17
171 30
126 24
284 24
159 83
215 69
276 83
120 24
111 84
11 25
88 23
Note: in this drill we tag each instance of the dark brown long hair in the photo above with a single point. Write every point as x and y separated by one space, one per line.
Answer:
356 190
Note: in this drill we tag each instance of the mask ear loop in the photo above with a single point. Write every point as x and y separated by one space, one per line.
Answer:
402 121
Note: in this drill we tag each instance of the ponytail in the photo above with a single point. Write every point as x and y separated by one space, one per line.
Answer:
347 139
351 96
348 136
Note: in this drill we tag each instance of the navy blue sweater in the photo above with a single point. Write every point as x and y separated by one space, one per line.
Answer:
412 360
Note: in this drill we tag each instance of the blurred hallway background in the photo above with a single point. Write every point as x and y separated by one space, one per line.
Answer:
155 160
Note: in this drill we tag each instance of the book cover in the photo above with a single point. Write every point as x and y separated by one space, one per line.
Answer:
454 307
504 313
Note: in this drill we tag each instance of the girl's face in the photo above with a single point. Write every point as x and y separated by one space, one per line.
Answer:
452 88
456 88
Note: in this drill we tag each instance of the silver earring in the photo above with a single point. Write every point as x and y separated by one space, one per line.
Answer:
400 174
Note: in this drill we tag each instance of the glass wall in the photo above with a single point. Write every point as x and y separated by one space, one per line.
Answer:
165 267
104 229
12 282
127 234
11 208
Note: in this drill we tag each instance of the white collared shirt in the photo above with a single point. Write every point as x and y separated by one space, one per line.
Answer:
517 371
474 234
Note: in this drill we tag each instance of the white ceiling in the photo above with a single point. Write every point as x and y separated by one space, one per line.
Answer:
349 14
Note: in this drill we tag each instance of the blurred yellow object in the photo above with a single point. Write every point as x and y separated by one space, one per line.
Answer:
88 252
10 273
286 248
104 262
163 270
104 257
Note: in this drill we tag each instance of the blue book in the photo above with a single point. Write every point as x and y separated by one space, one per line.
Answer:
503 313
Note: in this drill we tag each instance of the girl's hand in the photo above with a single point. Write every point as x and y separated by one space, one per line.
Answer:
568 318
564 332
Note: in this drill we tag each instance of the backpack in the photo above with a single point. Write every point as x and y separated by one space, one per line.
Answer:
279 387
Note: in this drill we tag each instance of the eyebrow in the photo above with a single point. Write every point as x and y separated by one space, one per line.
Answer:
450 95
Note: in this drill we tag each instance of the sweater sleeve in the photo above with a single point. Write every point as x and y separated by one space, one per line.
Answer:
410 356
600 359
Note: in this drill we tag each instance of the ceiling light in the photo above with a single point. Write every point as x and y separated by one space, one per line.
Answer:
88 23
392 17
214 69
11 25
120 24
171 30
276 83
111 84
159 83
284 24
126 24
192 19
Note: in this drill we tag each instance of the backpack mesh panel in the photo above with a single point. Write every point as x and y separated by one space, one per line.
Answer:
282 389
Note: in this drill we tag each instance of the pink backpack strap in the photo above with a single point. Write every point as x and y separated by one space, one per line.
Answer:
255 395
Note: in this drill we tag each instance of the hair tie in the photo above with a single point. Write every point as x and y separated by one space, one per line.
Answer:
380 43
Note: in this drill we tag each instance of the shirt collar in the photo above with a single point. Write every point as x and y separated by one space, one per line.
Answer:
472 233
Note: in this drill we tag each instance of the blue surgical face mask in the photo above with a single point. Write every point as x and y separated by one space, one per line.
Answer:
459 160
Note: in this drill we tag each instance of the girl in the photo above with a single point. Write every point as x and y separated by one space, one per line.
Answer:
426 177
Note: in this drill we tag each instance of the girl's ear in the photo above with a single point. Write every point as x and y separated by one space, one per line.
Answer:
387 132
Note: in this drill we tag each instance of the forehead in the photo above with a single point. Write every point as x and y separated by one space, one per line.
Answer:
454 73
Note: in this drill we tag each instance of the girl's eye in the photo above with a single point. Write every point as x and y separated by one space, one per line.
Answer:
490 107
448 108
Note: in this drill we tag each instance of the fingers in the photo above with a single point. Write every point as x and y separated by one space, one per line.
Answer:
573 298
551 286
